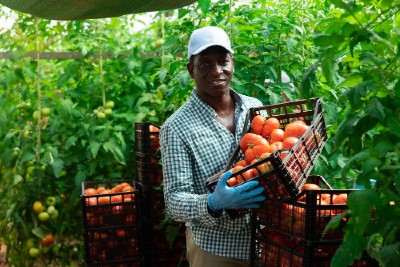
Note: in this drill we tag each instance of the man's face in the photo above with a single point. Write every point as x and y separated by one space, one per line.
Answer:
212 71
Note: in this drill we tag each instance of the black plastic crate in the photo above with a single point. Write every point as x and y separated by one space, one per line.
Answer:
110 246
148 169
118 263
274 249
153 205
307 215
159 250
110 209
287 169
112 226
147 137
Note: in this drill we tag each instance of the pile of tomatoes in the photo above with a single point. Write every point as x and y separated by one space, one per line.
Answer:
103 195
108 206
266 136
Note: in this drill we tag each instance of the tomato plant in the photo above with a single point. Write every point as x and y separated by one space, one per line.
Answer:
65 121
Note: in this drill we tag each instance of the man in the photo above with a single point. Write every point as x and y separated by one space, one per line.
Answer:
196 143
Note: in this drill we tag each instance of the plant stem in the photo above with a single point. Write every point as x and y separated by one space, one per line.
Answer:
39 93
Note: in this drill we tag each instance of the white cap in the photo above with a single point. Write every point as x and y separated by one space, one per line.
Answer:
205 37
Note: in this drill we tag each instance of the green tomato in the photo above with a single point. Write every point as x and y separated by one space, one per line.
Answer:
24 105
108 111
30 243
44 216
158 43
54 215
162 87
16 151
51 201
30 169
101 115
34 252
46 111
35 115
110 104
51 210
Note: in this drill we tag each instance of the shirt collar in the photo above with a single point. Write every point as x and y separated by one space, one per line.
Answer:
205 108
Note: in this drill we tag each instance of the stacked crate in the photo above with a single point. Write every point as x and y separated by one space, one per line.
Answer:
292 232
112 224
159 251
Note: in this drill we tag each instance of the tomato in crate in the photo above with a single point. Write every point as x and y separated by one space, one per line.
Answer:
307 215
148 169
109 203
280 147
112 223
147 137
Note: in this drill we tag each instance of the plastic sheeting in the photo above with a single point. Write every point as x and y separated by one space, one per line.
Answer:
90 9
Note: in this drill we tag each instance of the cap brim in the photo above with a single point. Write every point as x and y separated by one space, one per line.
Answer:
204 47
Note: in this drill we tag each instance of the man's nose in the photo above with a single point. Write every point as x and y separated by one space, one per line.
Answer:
216 68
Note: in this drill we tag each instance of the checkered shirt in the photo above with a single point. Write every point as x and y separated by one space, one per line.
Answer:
194 146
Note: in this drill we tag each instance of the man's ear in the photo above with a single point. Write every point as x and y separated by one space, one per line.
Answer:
189 67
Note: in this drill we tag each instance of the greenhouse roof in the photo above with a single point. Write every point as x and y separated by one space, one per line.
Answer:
90 9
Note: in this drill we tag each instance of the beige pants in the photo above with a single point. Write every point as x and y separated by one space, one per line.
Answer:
198 257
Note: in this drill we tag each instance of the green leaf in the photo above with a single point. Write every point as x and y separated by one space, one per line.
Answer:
335 222
80 177
397 181
204 5
70 142
352 80
38 231
328 40
307 81
350 250
115 150
375 109
94 148
63 80
339 3
327 66
163 73
362 126
17 179
57 166
394 124
121 140
345 130
361 202
388 255
381 148
357 93
397 88
348 29
172 231
370 163
184 79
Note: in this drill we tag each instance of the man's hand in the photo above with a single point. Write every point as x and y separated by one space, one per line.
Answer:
247 195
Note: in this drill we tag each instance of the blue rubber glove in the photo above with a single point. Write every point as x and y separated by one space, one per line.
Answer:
247 195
